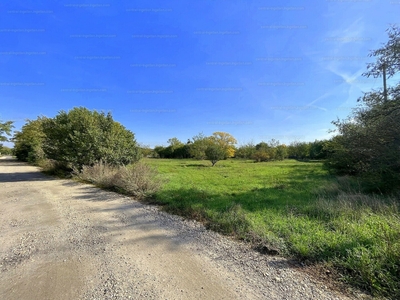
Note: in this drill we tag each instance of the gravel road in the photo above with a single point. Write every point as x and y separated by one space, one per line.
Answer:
65 240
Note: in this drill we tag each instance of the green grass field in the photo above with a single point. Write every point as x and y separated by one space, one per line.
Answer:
295 208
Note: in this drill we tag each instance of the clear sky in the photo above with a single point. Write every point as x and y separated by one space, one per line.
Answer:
255 69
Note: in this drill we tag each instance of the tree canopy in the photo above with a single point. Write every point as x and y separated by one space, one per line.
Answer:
387 57
76 138
368 141
5 129
83 137
28 143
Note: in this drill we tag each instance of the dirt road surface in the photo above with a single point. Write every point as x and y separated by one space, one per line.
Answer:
60 239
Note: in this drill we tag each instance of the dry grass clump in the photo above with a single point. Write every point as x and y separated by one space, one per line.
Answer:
139 180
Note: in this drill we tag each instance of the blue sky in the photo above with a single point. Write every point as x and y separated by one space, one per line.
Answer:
255 69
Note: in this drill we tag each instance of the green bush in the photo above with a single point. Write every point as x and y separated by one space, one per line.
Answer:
82 137
29 141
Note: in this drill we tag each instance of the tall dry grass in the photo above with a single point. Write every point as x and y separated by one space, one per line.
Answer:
138 180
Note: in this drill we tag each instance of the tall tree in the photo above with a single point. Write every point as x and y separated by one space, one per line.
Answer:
5 129
387 57
368 141
28 143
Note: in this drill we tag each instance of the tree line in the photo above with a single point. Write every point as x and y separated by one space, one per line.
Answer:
264 151
83 137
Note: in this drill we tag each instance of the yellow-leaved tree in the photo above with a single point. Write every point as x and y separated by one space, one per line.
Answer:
226 141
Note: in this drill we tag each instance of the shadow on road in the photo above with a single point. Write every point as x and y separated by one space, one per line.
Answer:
9 171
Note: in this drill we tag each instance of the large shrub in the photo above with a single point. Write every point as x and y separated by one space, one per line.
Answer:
82 137
28 143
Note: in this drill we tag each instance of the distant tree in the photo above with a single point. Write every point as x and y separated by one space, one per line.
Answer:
226 141
299 150
199 144
281 152
246 151
317 150
262 146
177 149
146 150
82 137
261 155
182 152
28 143
197 148
5 129
273 143
159 151
271 150
4 150
175 142
215 153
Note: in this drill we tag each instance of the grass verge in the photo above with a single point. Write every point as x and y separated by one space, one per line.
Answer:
296 209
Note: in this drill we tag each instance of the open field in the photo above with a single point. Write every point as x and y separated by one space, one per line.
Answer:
294 208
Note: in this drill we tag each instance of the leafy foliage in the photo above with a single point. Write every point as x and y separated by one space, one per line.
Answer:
268 151
368 142
368 145
176 149
146 150
387 56
299 150
28 143
4 150
82 137
198 146
215 153
225 141
246 151
5 129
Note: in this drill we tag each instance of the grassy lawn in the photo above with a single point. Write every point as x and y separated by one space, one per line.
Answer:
294 208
